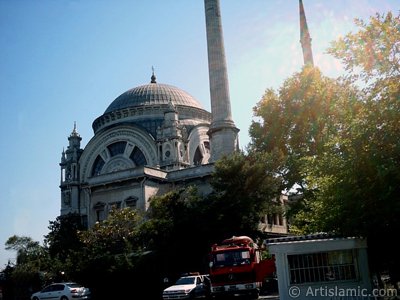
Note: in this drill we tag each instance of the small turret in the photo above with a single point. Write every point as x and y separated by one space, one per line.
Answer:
74 139
69 165
172 141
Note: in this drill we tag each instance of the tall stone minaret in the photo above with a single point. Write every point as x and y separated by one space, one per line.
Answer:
305 38
223 132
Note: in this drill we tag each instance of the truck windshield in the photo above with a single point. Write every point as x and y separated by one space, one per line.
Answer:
185 280
231 258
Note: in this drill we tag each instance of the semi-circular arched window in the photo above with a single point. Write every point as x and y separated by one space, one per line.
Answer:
120 155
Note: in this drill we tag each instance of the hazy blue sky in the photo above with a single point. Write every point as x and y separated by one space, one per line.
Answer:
63 61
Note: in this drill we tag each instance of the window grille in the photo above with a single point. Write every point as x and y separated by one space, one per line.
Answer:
138 157
322 267
131 202
97 166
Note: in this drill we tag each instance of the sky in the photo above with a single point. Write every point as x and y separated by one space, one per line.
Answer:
65 61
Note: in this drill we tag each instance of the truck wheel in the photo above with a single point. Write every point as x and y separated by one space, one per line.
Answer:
254 295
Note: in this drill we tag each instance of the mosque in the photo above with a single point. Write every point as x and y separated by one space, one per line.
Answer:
155 138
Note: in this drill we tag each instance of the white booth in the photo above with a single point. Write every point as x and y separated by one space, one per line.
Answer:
321 267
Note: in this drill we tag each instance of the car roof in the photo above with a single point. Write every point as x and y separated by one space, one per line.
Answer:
65 283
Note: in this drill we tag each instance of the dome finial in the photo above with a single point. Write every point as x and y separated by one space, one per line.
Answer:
153 77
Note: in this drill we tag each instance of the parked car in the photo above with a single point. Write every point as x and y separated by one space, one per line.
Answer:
62 291
189 287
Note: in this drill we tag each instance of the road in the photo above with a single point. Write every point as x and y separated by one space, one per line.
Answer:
269 297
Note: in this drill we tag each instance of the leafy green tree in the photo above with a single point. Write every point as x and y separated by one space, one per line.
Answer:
340 140
245 188
299 119
369 158
173 231
110 244
63 236
109 255
372 53
358 177
29 271
116 235
28 250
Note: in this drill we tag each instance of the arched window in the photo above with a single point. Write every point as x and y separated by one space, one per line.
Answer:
207 146
97 166
99 208
131 202
119 154
198 156
116 148
138 157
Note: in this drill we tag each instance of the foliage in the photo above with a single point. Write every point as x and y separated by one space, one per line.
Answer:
373 53
339 139
173 230
112 244
369 182
28 251
63 236
245 188
299 119
115 235
109 253
31 266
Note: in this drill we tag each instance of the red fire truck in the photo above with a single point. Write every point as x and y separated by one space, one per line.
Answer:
236 267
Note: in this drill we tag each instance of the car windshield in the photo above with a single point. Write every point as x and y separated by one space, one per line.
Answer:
185 280
232 258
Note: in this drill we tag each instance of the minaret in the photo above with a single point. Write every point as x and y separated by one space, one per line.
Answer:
223 132
305 38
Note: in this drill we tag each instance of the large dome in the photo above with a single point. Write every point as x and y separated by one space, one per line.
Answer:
152 94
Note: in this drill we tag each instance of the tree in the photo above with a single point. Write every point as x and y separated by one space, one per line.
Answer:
373 53
63 236
173 231
245 188
118 234
109 254
32 261
28 250
372 58
299 119
340 140
111 244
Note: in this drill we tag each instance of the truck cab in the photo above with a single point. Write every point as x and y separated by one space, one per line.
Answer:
236 268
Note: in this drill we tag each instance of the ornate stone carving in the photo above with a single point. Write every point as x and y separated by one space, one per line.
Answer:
133 136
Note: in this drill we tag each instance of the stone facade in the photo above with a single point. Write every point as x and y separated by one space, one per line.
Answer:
150 140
